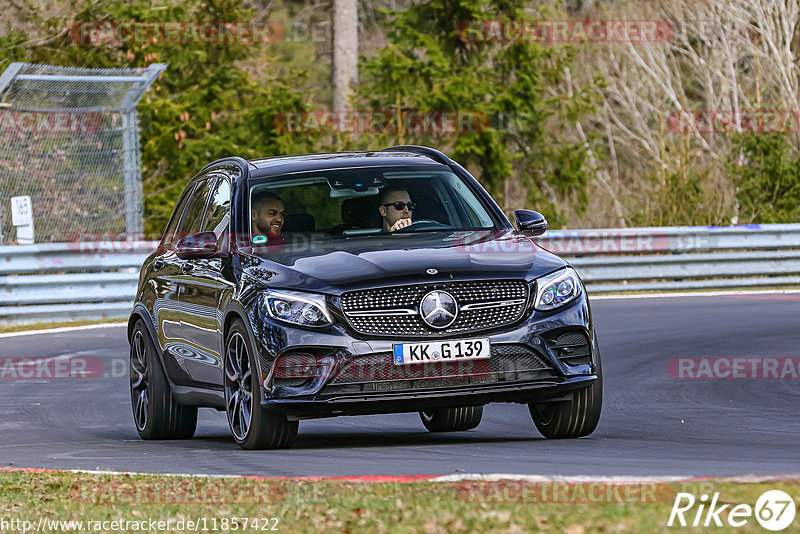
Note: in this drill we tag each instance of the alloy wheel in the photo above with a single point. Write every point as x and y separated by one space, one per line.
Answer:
139 381
238 387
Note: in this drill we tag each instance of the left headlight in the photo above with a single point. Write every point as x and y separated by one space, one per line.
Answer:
557 289
302 309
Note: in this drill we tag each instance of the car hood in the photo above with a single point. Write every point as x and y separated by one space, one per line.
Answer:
334 266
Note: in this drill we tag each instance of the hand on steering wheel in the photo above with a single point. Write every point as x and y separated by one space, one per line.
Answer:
415 224
401 223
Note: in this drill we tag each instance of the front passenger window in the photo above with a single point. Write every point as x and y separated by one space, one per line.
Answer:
195 212
219 209
170 234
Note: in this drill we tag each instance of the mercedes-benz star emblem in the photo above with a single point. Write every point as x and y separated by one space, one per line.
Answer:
438 309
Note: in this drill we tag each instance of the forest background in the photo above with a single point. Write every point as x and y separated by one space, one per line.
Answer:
699 126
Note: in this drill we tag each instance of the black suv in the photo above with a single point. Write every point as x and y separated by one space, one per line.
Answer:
285 289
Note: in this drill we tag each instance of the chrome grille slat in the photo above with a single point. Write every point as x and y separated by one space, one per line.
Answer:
483 304
380 313
488 305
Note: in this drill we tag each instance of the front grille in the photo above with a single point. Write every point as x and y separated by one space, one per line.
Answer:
506 363
409 297
572 348
293 369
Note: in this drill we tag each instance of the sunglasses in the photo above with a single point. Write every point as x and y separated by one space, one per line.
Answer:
400 205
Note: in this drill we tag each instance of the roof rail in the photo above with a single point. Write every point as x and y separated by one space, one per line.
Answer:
422 150
233 159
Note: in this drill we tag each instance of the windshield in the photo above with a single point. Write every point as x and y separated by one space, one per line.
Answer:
372 201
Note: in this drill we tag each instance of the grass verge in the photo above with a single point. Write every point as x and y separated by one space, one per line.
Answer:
341 506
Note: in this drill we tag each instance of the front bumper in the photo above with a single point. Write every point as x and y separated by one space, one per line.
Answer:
423 399
327 395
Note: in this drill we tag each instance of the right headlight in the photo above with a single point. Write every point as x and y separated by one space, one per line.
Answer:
294 307
557 289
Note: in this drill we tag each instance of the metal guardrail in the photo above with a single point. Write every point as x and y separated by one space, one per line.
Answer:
681 257
68 281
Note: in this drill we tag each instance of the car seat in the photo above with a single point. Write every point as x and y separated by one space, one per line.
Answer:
360 212
299 222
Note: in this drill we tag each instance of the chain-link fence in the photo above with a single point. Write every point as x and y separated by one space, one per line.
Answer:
69 139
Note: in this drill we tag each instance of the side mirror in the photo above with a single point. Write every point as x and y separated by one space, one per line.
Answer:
530 221
197 246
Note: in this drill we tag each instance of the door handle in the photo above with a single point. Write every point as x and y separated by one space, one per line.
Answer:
158 263
187 267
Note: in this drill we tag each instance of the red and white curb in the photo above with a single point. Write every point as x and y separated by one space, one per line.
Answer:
460 477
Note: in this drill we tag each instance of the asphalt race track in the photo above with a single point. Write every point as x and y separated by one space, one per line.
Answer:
652 424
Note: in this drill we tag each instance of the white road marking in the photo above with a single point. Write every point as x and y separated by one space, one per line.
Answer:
62 329
693 294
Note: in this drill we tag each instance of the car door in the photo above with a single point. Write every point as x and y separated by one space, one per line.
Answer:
171 313
165 280
201 287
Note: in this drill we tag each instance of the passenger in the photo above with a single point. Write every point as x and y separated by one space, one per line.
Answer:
267 214
396 209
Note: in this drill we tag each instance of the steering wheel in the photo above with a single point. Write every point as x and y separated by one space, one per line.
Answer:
416 225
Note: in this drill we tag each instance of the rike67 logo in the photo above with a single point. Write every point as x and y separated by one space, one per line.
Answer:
774 510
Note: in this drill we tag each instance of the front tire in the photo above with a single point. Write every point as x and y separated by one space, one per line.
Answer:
252 426
452 419
156 413
572 418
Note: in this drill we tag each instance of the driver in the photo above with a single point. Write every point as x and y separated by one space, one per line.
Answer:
395 208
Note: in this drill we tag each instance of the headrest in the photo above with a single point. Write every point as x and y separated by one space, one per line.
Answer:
299 222
361 212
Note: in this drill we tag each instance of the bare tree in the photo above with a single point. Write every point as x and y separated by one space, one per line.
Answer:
725 57
345 52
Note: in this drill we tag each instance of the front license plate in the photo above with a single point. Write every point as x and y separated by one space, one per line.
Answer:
439 351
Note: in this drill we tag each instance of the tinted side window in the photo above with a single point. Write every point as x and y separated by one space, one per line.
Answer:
219 209
193 219
177 216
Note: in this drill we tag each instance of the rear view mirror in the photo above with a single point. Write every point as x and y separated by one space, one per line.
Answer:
531 222
197 246
355 187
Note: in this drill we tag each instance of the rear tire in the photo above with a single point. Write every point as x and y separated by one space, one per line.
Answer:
156 413
252 426
572 418
452 419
